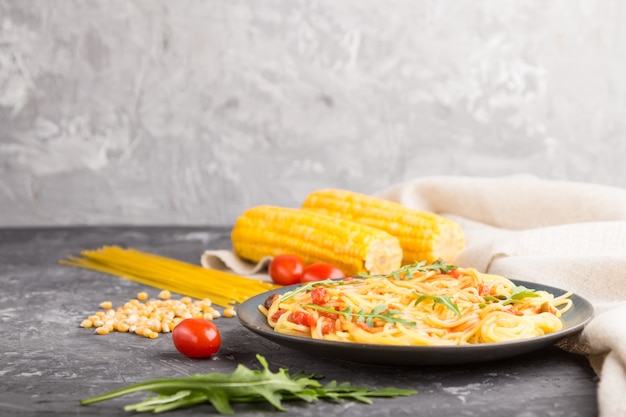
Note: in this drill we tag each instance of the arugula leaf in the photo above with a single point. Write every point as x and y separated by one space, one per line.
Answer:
379 312
444 300
242 385
519 292
407 271
311 285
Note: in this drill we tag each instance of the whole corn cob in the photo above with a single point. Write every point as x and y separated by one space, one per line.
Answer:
315 237
424 236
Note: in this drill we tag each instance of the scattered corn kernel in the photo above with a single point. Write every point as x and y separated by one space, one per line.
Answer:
148 318
151 334
122 327
102 330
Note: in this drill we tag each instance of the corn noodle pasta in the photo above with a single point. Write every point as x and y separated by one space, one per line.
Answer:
419 307
220 287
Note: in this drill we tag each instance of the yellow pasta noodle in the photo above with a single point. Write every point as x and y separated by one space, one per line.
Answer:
420 305
220 287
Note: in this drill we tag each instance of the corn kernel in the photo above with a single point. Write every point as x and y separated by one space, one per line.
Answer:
230 312
122 327
167 326
165 295
86 323
102 330
106 305
154 325
142 296
150 334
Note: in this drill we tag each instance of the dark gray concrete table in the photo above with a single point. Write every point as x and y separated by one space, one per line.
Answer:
49 363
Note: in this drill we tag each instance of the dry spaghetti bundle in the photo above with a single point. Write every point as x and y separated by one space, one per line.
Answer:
220 287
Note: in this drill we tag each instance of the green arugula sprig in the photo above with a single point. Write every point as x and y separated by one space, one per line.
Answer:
242 386
310 286
381 312
519 292
407 271
444 300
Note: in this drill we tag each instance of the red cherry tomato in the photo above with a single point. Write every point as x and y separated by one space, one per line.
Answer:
321 271
286 269
196 338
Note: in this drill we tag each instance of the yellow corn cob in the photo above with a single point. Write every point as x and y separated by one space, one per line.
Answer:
270 231
424 236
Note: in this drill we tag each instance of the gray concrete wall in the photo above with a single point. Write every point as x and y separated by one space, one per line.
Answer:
190 111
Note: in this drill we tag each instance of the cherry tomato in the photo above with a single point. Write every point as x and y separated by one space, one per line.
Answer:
196 338
321 271
286 269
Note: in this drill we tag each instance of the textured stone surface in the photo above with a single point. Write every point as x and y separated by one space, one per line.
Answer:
188 112
48 363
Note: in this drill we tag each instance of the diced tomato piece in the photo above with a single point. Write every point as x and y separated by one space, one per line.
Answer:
455 273
277 315
483 289
364 327
332 316
302 318
328 326
319 296
515 311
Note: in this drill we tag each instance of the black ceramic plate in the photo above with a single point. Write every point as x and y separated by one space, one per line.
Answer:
573 321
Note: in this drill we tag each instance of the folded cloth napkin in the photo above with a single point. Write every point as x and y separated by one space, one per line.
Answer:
564 234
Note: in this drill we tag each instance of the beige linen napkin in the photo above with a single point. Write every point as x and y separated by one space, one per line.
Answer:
564 234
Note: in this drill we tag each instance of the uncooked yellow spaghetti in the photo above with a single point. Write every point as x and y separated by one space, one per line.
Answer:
220 287
419 305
